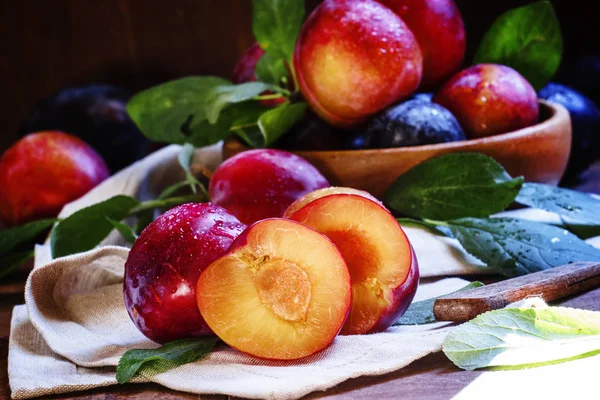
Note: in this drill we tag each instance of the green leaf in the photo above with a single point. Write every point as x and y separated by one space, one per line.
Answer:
175 112
11 238
271 70
580 212
453 186
175 353
124 229
515 247
524 337
276 24
246 125
527 39
252 136
221 96
10 262
421 312
86 228
276 122
186 156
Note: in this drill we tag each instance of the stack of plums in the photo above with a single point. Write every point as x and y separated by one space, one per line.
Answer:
276 266
386 73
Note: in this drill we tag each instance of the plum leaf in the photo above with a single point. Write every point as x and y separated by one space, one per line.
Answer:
276 24
169 355
527 39
453 186
124 229
271 70
11 238
175 112
86 228
185 158
524 337
421 312
276 122
514 247
580 212
221 96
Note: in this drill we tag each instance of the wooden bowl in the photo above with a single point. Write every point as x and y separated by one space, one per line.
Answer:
539 153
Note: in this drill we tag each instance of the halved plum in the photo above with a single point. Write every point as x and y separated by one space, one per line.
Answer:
382 263
281 292
317 194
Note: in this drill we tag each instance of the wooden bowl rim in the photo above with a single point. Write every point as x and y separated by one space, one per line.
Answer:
559 115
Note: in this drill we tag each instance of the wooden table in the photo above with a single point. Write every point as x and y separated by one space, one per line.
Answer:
417 381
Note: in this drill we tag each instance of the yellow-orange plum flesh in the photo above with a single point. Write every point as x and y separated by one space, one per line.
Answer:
282 292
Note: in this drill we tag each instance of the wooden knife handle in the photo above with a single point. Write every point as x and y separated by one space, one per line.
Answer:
550 284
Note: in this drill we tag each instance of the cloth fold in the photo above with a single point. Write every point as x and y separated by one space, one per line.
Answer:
75 325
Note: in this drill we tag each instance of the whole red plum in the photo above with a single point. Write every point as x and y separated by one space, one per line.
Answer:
262 183
440 32
488 99
44 171
164 265
354 58
245 71
245 66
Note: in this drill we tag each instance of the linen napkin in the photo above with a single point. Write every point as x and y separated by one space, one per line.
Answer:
75 317
74 327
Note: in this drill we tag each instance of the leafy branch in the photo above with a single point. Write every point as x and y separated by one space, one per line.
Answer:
456 195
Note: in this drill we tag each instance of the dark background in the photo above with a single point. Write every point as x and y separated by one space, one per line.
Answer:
48 45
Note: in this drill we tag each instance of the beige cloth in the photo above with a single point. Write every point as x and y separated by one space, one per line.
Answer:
75 327
76 317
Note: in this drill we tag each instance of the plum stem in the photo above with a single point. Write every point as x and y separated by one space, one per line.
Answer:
242 126
280 90
290 66
268 97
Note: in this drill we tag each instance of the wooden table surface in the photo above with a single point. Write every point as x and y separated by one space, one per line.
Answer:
431 377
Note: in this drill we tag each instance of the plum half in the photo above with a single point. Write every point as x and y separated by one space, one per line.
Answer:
382 263
282 292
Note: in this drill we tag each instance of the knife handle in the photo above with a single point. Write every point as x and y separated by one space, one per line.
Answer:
550 284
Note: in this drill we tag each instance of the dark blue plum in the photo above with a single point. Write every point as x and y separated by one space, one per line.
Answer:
95 113
413 123
585 123
584 76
